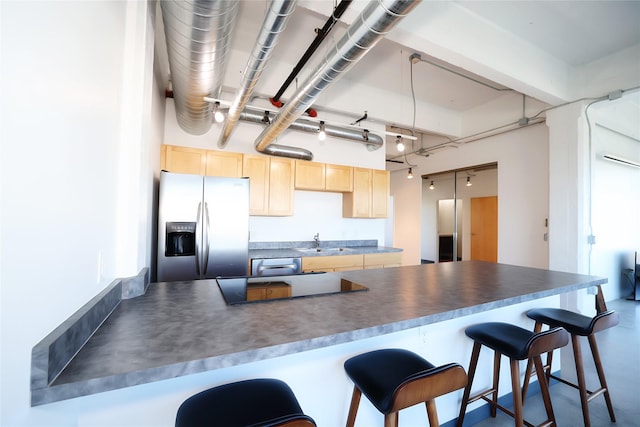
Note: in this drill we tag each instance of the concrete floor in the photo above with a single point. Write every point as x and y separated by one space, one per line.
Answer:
620 354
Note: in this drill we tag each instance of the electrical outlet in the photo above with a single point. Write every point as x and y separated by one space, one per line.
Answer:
424 335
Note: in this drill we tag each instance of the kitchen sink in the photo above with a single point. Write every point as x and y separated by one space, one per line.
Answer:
323 250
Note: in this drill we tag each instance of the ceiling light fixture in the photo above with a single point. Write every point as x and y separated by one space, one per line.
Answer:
410 174
399 144
321 133
469 184
431 187
218 116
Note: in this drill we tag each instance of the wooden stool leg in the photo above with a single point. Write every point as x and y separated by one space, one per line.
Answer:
582 385
432 413
544 389
529 371
496 380
603 382
391 419
353 409
515 389
475 354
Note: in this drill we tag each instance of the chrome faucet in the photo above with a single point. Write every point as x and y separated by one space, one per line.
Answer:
317 239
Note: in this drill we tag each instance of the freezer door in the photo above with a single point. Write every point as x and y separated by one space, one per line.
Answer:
179 227
225 227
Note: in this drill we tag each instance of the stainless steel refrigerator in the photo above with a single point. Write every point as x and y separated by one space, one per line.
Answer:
203 227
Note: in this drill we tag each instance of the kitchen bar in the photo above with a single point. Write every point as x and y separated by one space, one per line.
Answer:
183 328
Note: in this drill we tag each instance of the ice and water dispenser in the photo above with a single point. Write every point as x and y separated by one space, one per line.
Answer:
180 239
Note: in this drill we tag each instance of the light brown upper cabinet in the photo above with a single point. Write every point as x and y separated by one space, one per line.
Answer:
323 177
183 159
310 175
370 195
199 161
380 189
339 178
224 163
270 186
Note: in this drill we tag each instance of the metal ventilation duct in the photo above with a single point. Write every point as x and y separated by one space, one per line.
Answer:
375 21
198 34
275 21
371 141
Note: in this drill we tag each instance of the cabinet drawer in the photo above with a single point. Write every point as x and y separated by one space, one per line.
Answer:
379 260
331 263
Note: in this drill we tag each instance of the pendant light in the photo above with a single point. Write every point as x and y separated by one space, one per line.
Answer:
217 114
399 144
410 174
469 184
321 133
431 187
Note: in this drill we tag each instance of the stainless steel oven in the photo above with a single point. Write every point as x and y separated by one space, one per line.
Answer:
275 266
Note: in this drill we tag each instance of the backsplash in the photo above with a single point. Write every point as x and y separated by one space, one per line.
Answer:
311 243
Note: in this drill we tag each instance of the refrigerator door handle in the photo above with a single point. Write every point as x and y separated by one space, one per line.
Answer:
207 243
198 238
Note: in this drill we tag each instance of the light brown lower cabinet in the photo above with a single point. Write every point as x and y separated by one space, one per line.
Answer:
332 263
383 260
258 292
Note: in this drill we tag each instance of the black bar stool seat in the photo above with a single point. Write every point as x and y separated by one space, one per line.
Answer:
255 403
394 379
517 344
578 325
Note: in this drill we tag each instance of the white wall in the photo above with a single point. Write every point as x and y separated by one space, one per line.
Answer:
615 193
522 158
79 129
610 214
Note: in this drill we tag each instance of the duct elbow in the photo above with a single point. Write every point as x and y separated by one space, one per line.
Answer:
286 151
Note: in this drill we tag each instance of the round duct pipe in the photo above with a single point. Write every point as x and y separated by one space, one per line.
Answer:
371 140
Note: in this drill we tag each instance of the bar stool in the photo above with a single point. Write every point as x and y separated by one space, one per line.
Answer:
517 344
577 325
395 379
255 403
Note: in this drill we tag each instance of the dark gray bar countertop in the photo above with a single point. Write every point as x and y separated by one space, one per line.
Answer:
183 328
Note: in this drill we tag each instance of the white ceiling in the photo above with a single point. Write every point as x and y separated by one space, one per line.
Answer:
554 37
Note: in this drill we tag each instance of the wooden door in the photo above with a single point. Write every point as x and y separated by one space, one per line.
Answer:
484 228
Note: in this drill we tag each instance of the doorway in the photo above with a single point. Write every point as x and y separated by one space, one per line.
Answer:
447 212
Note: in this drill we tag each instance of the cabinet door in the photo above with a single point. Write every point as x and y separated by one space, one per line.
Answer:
281 180
222 163
256 168
357 204
379 193
185 160
309 175
339 178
